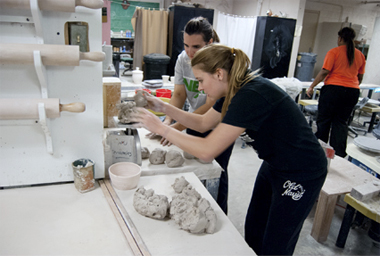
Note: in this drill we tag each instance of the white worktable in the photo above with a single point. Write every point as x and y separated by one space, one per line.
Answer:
58 220
365 157
163 237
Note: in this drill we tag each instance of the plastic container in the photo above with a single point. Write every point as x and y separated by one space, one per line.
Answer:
164 93
305 66
125 175
137 76
83 170
156 65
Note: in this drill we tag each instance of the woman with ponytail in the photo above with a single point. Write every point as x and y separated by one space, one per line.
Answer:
198 32
294 164
342 70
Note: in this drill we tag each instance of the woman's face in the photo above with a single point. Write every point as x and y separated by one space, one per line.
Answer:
193 43
214 85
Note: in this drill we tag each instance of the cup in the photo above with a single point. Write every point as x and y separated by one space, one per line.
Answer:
83 170
165 79
172 79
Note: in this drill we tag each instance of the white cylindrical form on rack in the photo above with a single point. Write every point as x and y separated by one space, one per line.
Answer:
51 55
18 109
52 5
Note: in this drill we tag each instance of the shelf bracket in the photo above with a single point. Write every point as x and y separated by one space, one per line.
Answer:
41 73
36 14
44 122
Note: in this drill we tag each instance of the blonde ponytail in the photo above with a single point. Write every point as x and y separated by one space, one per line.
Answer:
234 61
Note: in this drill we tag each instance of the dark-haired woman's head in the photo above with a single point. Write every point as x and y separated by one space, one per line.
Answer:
347 34
346 37
198 32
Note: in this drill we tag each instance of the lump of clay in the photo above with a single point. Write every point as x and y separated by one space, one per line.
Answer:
125 111
145 153
190 211
157 156
174 158
188 155
180 184
140 99
149 204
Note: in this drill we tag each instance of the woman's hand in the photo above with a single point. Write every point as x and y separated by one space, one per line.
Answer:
154 103
310 92
148 120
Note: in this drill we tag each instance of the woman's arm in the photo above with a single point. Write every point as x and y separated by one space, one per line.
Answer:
319 78
205 149
178 100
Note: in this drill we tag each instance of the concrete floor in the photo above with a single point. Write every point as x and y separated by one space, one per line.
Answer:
243 167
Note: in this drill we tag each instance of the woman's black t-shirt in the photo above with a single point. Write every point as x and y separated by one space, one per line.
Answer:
280 133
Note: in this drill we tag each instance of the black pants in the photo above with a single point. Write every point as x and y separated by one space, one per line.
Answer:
334 110
222 160
279 206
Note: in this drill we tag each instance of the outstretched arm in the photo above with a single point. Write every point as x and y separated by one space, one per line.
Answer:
205 149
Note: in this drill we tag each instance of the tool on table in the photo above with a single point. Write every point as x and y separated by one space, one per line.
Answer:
54 55
16 109
52 5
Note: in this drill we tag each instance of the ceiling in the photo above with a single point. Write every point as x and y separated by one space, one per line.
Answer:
353 3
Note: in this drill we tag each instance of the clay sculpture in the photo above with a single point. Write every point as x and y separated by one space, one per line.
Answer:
125 111
190 211
157 156
173 158
145 153
149 204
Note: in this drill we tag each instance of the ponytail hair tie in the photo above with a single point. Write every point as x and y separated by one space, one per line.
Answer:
232 50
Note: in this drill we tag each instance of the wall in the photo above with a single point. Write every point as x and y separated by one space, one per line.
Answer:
372 75
106 26
340 11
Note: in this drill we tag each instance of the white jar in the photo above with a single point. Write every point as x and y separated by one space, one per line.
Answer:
137 76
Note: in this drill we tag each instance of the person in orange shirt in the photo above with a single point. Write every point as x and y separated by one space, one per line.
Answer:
342 70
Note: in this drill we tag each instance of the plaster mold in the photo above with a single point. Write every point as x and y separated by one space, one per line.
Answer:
145 153
173 158
157 156
149 204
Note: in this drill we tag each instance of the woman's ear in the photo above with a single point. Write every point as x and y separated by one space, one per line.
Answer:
211 41
219 74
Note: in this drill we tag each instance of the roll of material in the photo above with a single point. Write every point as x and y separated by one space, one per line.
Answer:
17 109
51 55
52 5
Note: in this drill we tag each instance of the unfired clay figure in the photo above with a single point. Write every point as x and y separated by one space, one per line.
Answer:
145 153
148 204
157 156
192 212
174 158
125 110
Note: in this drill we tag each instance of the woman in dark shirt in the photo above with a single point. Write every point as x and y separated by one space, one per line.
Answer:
294 166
